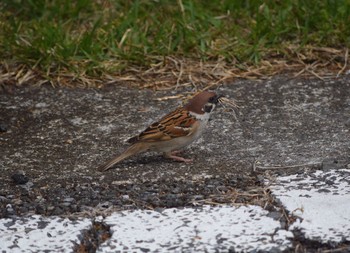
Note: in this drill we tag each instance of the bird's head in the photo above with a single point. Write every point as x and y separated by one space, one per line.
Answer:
204 102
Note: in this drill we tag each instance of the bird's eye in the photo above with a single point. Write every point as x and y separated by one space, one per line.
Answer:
211 100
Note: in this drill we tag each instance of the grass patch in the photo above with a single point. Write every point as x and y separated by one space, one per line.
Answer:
94 40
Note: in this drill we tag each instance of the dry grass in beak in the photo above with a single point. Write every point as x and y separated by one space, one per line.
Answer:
230 105
225 102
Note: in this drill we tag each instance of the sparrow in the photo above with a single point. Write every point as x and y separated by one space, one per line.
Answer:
174 131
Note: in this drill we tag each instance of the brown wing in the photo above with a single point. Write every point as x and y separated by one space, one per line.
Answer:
176 124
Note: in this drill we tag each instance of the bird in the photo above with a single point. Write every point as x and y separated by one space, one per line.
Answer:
172 132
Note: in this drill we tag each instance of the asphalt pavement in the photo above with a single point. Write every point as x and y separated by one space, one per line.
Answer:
272 176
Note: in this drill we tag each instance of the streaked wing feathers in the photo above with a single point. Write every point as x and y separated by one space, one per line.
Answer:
176 124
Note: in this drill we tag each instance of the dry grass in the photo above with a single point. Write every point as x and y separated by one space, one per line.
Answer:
176 73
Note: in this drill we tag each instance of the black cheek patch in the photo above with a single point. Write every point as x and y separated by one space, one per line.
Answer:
208 108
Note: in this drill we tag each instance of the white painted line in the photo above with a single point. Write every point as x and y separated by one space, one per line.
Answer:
40 234
321 200
208 229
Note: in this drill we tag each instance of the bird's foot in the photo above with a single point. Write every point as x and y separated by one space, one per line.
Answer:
173 156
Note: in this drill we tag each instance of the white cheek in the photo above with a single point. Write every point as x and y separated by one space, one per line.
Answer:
202 117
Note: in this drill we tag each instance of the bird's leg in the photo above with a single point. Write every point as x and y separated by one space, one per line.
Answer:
173 155
175 152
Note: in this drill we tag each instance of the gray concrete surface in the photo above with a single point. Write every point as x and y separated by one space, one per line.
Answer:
52 141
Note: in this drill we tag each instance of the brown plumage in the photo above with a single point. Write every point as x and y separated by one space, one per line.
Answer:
172 132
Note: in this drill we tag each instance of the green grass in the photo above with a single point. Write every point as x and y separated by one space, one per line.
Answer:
100 36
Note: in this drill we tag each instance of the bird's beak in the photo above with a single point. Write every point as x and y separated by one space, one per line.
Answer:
218 97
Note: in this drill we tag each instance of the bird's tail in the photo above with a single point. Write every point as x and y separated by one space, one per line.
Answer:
132 150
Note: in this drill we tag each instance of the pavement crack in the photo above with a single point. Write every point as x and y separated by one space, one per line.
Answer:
301 244
92 238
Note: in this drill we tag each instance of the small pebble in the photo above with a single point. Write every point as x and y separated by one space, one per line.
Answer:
3 199
198 197
9 209
125 197
19 178
68 199
3 128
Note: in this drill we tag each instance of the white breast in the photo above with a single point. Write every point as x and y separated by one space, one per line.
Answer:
203 121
